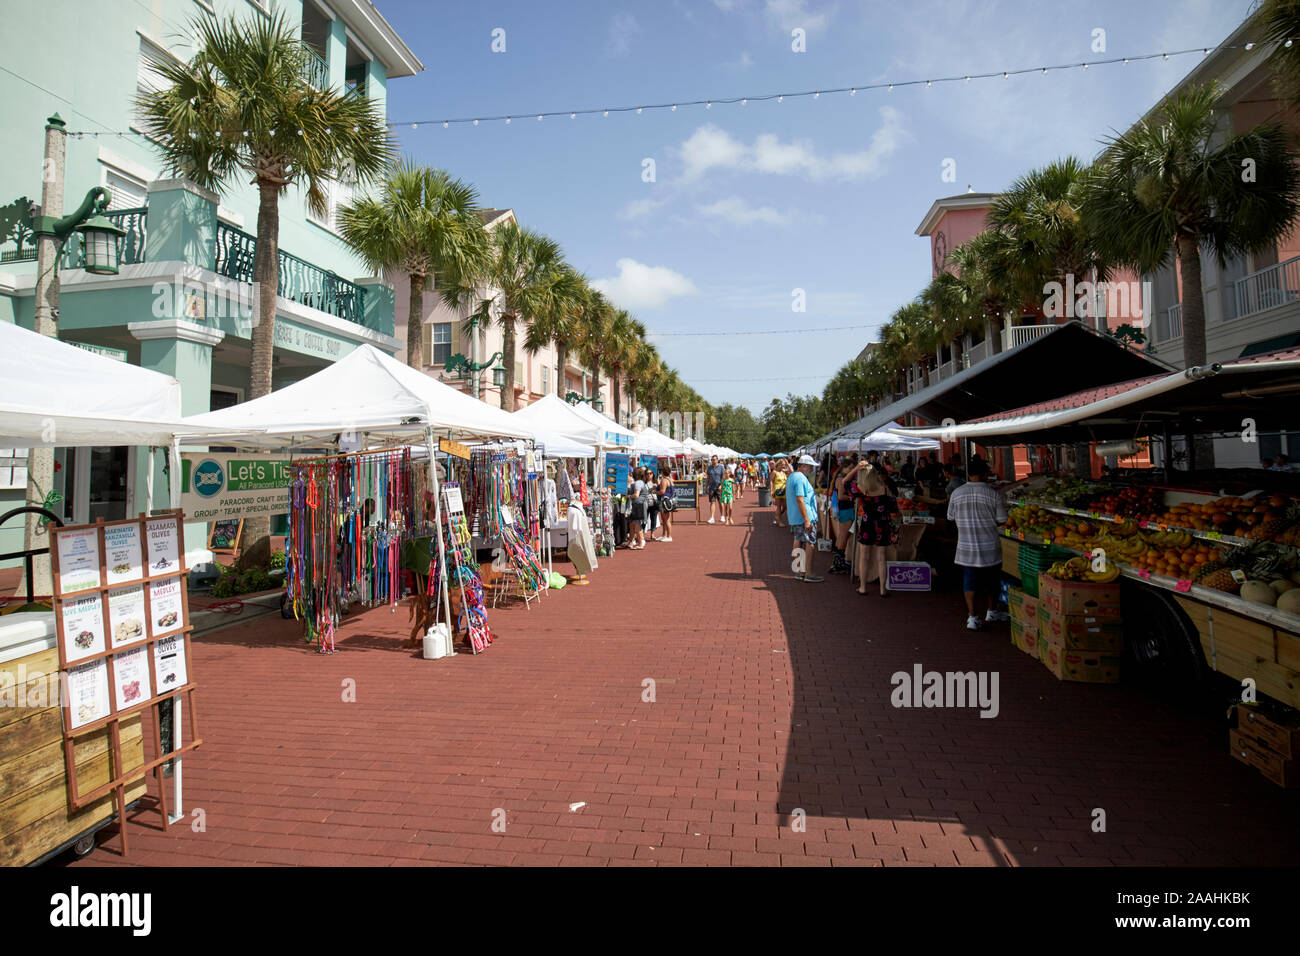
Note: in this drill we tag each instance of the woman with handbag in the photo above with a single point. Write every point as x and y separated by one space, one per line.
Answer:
636 512
667 500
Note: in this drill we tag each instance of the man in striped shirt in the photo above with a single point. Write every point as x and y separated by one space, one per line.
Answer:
977 510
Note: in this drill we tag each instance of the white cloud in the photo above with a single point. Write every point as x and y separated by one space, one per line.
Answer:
640 208
639 286
788 14
710 147
740 212
622 29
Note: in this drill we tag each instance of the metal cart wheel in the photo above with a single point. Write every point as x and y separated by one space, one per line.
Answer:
1162 650
83 846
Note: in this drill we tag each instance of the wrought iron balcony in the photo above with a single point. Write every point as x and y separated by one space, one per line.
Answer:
136 224
300 281
316 69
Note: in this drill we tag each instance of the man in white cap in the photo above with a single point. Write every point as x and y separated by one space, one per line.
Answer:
801 511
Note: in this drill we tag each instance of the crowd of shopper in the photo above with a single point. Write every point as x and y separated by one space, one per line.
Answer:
651 502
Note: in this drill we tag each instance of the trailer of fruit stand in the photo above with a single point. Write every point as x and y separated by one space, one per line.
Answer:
1177 629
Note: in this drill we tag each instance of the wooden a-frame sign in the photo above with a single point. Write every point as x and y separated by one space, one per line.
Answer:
122 625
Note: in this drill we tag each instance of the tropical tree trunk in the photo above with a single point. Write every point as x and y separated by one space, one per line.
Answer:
508 347
266 275
561 360
616 394
595 379
415 322
1189 262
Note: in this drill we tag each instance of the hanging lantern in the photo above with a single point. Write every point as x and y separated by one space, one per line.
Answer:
499 376
598 405
100 240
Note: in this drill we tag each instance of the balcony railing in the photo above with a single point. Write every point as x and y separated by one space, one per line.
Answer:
1169 323
976 354
136 224
1267 288
300 281
1014 335
316 69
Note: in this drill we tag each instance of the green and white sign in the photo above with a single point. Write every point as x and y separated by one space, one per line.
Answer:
215 485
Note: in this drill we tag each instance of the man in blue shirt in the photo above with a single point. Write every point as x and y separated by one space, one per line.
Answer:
801 511
713 484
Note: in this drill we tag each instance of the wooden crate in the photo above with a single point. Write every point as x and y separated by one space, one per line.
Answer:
1274 767
34 817
1280 737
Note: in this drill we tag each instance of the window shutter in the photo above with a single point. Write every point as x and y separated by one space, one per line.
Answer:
426 343
126 193
456 347
519 375
151 55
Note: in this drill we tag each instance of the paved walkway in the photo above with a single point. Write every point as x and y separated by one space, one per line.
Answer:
770 697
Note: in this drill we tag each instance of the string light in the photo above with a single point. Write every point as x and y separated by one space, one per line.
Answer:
780 97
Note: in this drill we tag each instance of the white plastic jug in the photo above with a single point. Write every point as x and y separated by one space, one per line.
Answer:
437 642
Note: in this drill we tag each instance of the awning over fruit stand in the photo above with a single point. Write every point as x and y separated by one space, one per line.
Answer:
1069 358
1204 400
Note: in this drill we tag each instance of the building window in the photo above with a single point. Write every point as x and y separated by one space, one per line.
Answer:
546 380
13 469
437 343
151 57
126 192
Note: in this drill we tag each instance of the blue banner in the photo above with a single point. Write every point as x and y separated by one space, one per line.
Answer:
616 470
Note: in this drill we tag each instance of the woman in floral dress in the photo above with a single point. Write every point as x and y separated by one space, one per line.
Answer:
879 521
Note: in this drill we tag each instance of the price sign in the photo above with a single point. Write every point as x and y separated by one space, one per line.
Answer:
1183 584
1214 535
1144 574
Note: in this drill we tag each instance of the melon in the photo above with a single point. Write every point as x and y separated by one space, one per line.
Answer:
1290 602
1282 585
1258 592
1295 576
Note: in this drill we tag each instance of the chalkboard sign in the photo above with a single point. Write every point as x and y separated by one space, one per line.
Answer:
225 535
686 494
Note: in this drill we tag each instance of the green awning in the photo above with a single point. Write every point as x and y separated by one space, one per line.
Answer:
1290 340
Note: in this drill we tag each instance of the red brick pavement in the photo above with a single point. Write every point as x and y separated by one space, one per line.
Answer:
771 695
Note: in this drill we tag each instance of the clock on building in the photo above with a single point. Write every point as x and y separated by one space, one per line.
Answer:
940 251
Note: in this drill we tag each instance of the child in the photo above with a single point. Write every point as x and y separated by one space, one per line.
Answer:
726 496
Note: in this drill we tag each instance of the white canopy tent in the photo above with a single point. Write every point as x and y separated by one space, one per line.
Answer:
654 442
551 415
883 440
613 435
367 391
55 394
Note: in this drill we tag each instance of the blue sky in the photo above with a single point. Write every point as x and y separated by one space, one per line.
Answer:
751 202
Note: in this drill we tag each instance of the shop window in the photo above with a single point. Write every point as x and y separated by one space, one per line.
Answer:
151 56
13 468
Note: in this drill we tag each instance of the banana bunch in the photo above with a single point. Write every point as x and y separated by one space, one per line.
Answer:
1171 539
1103 577
1072 570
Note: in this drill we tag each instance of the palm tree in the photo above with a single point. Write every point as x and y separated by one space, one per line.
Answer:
596 337
987 263
1173 181
1280 22
628 335
242 106
523 267
1049 238
560 321
425 223
645 366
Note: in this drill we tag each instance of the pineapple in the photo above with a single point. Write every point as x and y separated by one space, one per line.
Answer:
1217 575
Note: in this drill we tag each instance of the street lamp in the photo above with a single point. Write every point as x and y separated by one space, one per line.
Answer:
573 398
463 368
100 238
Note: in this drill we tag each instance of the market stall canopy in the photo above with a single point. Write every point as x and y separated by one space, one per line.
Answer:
1210 398
614 434
365 391
655 442
556 417
552 446
884 440
695 448
1068 358
53 393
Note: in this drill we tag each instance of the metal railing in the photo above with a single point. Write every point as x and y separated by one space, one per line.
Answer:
1268 288
1014 335
1169 323
316 69
300 281
976 354
132 250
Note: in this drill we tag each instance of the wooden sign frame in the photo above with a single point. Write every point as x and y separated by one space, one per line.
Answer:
239 535
118 578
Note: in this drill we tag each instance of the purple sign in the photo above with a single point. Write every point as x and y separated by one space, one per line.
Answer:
907 576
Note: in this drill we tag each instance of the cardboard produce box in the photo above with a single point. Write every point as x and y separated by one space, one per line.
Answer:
1082 632
1274 767
1025 638
1085 667
1079 597
1022 607
1283 738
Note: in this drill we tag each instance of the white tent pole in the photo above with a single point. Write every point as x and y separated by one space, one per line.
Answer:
174 492
442 548
148 480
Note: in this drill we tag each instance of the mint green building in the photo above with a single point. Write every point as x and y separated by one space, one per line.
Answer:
181 303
